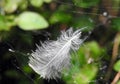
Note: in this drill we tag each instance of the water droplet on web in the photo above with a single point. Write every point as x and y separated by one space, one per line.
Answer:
11 50
105 14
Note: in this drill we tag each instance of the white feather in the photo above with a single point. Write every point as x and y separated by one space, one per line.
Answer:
52 57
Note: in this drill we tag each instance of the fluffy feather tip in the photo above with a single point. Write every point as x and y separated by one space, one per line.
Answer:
49 59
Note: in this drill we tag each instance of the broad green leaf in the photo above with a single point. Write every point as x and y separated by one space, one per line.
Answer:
36 3
81 56
83 21
118 82
85 75
115 23
94 49
85 3
26 69
11 5
31 21
6 22
68 75
24 4
3 25
59 16
77 75
117 66
47 1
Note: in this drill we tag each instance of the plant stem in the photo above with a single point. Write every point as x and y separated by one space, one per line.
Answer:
114 55
116 78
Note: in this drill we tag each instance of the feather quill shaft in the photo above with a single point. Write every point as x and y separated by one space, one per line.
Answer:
49 59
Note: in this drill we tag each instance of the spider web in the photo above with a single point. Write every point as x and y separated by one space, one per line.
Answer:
100 12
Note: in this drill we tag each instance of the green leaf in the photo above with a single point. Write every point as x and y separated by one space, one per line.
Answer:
86 74
36 3
118 82
82 75
11 5
23 5
26 69
59 16
81 56
31 21
3 25
94 49
115 22
85 3
83 21
68 75
6 22
117 66
47 1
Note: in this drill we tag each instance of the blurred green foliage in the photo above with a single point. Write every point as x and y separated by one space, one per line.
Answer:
116 24
118 82
83 21
23 22
117 66
86 3
83 69
60 17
